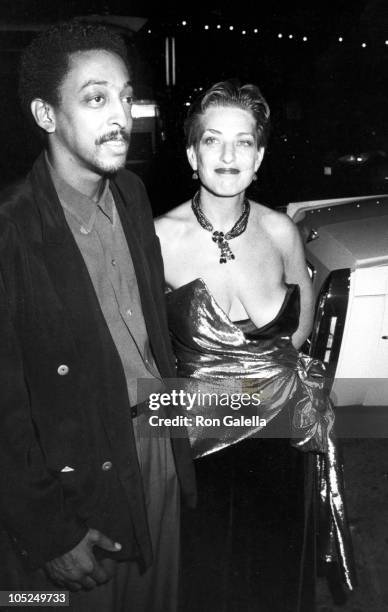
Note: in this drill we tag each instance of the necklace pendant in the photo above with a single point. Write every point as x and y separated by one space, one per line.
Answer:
220 238
226 252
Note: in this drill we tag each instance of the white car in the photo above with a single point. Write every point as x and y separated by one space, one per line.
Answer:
346 244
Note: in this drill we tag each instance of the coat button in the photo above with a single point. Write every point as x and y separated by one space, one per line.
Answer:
106 466
63 370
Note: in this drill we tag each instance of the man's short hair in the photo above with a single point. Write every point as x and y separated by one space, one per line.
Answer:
46 61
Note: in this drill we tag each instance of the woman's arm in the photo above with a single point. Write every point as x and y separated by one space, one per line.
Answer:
295 271
171 229
162 230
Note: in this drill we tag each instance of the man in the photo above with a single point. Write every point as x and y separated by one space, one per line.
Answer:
88 501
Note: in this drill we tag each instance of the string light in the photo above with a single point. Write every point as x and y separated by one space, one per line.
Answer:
280 35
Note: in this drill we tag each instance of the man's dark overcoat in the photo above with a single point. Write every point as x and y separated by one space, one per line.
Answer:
64 408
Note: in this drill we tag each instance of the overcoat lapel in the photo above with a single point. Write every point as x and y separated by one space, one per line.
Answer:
64 262
143 274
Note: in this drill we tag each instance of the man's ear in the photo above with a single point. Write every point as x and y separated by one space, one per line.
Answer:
259 159
192 157
43 114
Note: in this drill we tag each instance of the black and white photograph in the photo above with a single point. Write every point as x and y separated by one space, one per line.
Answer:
194 306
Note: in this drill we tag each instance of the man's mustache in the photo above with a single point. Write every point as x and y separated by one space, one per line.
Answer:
114 135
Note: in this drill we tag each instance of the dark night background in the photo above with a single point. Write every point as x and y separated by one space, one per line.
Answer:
328 98
328 104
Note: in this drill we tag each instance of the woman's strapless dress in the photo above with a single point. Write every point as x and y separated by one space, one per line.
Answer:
217 355
247 544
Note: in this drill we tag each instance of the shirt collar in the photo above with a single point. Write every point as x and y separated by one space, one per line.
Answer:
80 206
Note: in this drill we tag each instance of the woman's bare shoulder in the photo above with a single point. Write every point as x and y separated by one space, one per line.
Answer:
173 221
277 224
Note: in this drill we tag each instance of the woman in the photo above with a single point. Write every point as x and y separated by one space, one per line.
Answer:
225 140
238 280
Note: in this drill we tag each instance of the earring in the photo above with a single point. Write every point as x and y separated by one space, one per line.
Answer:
254 177
194 176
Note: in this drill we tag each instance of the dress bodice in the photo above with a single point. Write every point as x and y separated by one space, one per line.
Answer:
216 355
207 342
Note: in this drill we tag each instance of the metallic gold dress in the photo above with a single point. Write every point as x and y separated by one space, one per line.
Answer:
216 356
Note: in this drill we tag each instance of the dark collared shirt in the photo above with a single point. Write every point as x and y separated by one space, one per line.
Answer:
98 232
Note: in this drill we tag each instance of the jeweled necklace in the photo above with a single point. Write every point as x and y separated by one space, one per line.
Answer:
219 237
